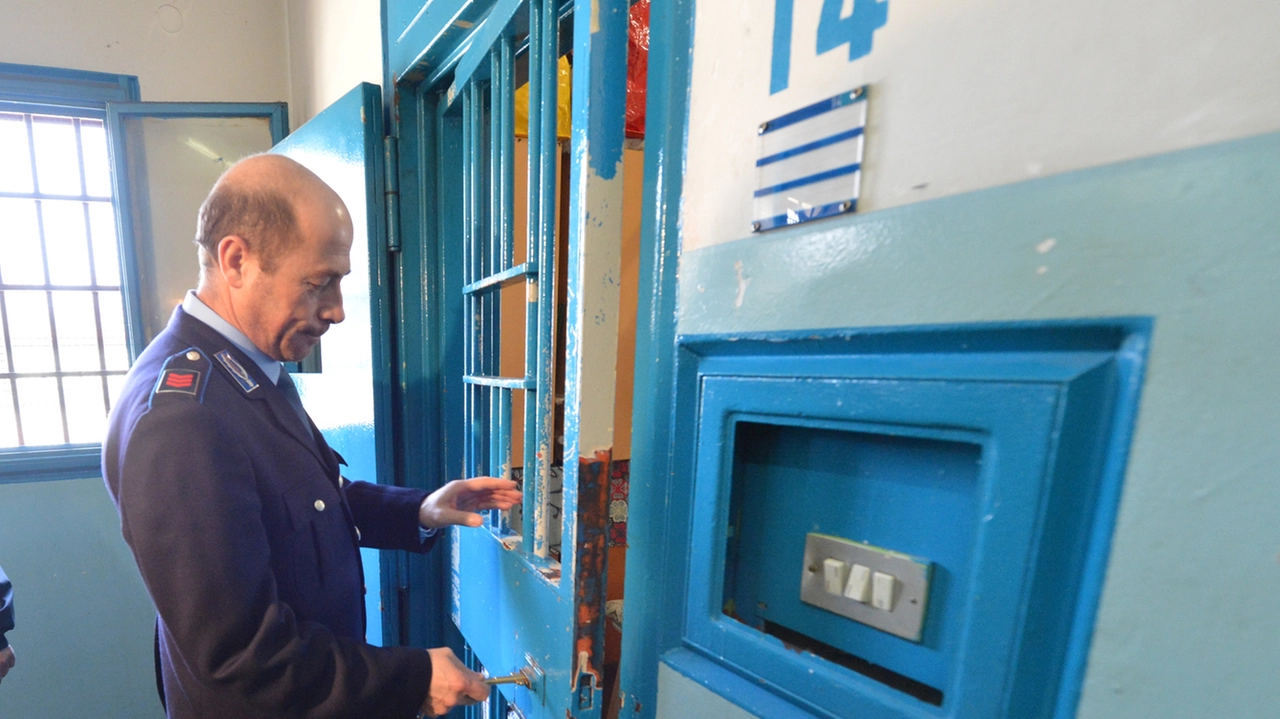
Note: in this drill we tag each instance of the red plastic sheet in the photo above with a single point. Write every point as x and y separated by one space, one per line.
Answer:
637 67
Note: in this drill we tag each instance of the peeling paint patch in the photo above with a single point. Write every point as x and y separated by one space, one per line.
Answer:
742 284
591 552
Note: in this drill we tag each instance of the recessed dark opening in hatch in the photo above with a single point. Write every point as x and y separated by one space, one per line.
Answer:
888 677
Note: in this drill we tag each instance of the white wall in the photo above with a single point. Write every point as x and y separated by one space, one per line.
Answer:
971 95
333 46
230 50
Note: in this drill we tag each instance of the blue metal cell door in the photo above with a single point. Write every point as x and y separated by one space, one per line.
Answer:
343 145
539 307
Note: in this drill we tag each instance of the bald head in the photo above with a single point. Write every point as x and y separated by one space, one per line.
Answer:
275 243
263 199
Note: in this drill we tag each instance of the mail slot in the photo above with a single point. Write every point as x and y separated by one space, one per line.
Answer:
904 530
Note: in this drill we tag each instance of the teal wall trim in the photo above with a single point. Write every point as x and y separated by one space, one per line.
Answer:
1186 238
38 464
65 88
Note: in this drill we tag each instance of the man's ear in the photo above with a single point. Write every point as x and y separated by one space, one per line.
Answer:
233 260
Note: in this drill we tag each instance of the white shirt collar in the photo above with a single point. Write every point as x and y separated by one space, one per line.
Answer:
193 306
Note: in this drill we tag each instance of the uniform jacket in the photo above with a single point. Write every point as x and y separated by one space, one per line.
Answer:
248 541
6 608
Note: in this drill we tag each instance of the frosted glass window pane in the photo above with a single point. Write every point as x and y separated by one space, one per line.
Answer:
8 422
102 226
41 413
65 241
173 163
32 343
113 334
20 259
77 331
15 156
57 164
97 171
86 408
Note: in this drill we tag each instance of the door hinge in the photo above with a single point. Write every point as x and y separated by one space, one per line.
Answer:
391 166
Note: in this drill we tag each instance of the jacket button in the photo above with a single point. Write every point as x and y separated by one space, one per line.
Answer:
319 505
193 355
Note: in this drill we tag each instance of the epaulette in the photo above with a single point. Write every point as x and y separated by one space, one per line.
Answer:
184 374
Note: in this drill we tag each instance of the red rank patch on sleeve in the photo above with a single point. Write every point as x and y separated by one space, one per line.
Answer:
183 381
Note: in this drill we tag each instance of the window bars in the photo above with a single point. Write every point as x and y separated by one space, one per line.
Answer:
61 312
488 112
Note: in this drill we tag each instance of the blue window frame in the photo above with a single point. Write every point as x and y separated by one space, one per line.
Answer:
62 370
58 378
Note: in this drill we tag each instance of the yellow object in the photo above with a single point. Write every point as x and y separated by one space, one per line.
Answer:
564 105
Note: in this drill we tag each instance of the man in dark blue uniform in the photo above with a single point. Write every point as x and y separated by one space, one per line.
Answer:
246 535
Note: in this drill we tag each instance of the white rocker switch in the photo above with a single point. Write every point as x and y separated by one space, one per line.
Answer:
834 572
882 590
858 588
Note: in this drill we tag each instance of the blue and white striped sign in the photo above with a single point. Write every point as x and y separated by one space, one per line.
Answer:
810 163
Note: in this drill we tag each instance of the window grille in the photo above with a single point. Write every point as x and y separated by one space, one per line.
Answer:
62 317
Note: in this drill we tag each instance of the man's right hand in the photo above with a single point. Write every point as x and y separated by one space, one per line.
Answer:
7 661
452 684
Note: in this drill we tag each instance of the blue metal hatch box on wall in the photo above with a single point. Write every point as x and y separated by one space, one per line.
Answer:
994 452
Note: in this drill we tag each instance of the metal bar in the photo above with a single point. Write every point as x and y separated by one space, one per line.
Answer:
505 139
53 325
496 381
467 302
502 279
495 165
57 361
76 373
473 176
31 152
503 442
534 501
8 353
4 310
479 264
539 325
62 288
93 271
490 330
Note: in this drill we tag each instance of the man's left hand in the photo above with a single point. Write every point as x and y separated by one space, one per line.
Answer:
458 501
6 661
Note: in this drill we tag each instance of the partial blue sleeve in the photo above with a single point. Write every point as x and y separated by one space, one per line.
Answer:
6 608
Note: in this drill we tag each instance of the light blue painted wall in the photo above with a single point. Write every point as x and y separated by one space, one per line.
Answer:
681 697
84 621
1188 621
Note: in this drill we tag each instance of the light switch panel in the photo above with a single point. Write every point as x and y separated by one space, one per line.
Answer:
881 588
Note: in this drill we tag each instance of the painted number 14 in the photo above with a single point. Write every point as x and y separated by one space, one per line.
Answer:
841 22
